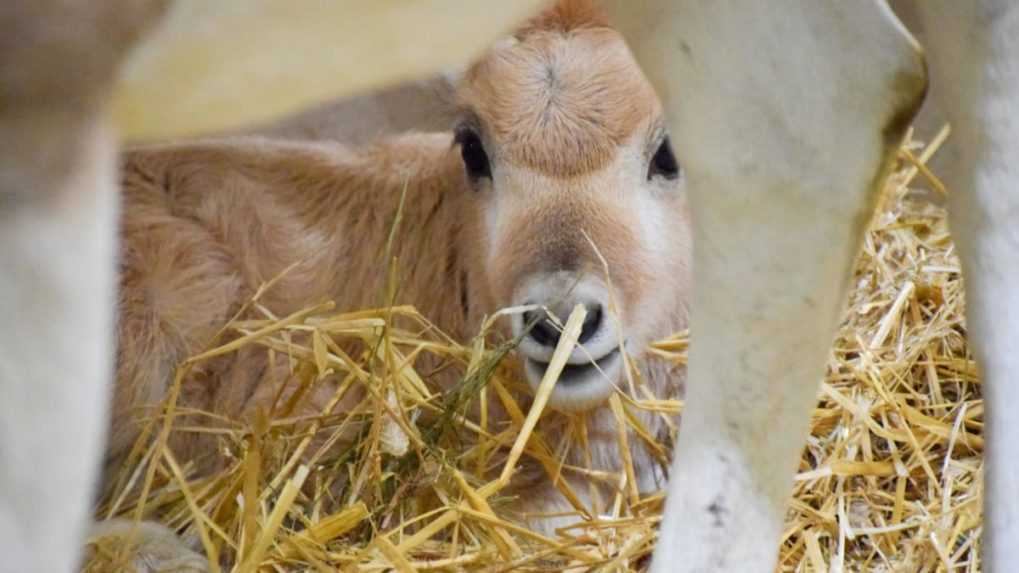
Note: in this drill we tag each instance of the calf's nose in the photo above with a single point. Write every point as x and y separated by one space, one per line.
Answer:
546 332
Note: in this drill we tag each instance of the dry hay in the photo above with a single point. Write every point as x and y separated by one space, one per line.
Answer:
889 481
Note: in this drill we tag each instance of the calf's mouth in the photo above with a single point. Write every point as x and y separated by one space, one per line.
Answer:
581 385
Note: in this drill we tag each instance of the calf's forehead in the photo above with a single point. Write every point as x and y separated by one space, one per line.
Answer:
561 103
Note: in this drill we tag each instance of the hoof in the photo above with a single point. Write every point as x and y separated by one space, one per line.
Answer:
123 545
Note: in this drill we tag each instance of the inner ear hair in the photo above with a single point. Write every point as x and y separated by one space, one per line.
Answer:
466 120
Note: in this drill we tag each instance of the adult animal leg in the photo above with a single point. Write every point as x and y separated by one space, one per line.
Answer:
56 346
785 116
975 71
57 227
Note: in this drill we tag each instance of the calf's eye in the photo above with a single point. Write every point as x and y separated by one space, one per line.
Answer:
663 163
473 153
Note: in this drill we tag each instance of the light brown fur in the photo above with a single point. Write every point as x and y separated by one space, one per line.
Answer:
205 224
552 107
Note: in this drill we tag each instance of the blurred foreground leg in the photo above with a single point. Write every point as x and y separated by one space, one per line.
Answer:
786 116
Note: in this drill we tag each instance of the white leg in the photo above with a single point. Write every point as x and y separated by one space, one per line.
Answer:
58 223
975 71
56 348
784 115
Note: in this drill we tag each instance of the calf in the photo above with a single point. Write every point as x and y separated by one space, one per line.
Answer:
558 181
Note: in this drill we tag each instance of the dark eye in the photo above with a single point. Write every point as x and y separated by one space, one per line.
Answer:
664 162
473 153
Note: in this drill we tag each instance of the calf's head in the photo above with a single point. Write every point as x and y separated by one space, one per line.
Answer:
575 197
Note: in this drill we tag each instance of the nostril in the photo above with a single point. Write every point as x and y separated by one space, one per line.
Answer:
546 333
543 331
592 323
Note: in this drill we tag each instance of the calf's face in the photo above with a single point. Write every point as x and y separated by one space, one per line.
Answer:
576 198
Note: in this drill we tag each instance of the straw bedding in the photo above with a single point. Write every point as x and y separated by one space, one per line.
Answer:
889 479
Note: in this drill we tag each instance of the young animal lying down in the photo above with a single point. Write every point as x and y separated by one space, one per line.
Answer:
559 169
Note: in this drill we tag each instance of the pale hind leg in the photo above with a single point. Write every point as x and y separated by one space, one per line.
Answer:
785 115
975 72
119 544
